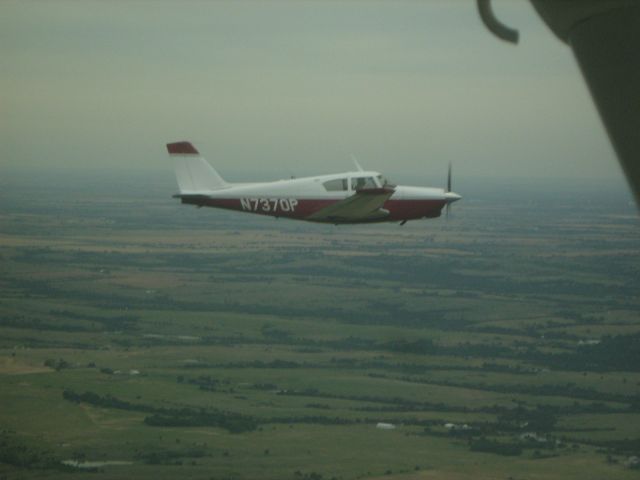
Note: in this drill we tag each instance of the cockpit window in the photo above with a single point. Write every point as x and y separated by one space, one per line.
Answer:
384 182
359 183
337 185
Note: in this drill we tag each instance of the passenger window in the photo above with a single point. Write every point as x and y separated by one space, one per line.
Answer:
360 183
337 185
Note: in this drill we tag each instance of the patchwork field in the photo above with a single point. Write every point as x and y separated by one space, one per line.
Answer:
144 339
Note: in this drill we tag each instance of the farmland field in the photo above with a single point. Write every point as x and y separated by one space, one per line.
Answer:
144 339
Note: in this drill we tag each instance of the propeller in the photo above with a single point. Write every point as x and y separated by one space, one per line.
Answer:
449 196
447 191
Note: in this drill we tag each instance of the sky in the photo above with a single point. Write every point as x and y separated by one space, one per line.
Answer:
294 87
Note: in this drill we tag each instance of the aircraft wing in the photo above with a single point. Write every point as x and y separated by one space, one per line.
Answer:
365 204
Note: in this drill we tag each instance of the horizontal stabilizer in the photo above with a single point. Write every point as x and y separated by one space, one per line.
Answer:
193 198
193 172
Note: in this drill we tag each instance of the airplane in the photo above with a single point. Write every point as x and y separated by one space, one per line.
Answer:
343 198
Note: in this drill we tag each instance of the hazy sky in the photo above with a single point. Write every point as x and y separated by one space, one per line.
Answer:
294 86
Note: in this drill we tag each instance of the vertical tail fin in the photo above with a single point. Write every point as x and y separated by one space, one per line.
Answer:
193 172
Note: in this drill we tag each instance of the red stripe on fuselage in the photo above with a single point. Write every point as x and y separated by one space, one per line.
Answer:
398 209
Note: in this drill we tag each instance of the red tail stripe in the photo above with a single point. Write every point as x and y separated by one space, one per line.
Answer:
181 148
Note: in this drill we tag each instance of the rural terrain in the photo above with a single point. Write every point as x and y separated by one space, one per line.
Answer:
144 339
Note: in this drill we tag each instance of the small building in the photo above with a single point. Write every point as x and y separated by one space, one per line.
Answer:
385 426
456 427
532 437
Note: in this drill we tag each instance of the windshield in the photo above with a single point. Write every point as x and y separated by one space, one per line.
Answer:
383 181
360 183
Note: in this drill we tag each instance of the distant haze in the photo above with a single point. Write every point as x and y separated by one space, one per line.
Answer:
294 87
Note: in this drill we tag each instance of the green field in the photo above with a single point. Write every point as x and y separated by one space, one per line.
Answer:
142 339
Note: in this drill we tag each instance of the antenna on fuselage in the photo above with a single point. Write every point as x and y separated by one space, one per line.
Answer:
355 162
